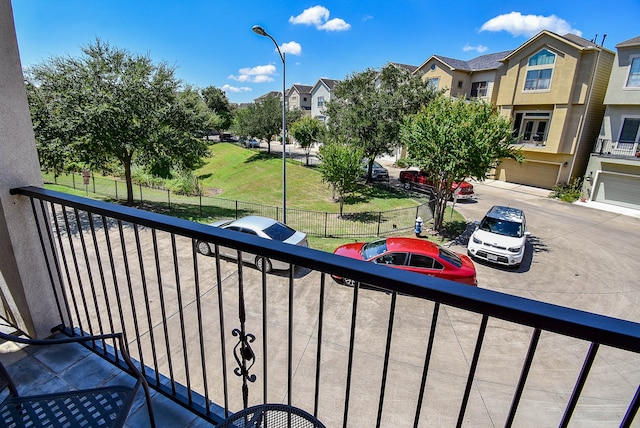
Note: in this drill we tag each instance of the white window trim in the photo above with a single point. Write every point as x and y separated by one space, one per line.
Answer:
540 67
533 143
637 139
626 80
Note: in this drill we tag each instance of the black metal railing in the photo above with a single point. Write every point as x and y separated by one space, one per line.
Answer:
607 147
396 349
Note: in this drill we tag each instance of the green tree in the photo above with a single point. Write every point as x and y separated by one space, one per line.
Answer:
263 120
110 107
369 107
452 140
217 101
341 167
307 131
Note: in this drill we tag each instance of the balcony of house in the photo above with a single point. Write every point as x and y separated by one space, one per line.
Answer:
617 149
213 335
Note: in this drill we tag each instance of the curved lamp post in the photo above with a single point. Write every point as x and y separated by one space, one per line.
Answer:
259 30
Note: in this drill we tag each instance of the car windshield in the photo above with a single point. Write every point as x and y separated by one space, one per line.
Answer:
501 227
279 232
374 248
450 256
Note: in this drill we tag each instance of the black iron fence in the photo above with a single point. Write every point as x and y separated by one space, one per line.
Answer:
616 148
396 349
314 223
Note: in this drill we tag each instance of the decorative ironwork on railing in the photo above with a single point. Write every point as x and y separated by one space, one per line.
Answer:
333 350
607 147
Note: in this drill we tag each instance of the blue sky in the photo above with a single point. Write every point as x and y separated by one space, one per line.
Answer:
210 42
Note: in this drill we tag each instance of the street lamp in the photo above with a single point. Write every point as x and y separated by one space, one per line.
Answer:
260 31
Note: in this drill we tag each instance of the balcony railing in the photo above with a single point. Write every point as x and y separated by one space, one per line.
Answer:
399 350
605 147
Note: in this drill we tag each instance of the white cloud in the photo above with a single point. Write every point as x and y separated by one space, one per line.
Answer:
235 89
258 74
479 48
318 16
335 24
291 48
528 25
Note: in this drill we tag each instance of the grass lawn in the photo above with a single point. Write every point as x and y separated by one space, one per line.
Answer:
234 172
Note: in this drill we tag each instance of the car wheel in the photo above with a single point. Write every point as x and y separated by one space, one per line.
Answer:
203 248
264 263
407 185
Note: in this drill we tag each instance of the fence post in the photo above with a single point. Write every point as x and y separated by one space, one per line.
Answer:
326 220
93 180
200 197
379 221
169 198
141 200
116 183
73 179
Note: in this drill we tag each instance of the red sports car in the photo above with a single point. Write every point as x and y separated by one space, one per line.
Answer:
416 255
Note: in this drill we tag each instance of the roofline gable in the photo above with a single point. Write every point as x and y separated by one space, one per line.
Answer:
547 33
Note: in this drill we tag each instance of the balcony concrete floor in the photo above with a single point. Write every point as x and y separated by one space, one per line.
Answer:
48 369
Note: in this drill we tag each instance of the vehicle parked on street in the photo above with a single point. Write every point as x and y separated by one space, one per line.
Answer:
252 143
378 172
415 255
413 179
500 237
263 227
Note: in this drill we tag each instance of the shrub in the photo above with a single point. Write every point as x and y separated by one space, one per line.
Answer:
402 163
184 184
568 192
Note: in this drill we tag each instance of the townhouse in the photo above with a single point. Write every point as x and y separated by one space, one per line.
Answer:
613 172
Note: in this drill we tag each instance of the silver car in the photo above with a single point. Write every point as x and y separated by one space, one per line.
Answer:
263 227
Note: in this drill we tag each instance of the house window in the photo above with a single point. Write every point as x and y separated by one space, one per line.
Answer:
304 99
320 101
478 89
459 84
433 82
531 127
539 71
633 81
629 132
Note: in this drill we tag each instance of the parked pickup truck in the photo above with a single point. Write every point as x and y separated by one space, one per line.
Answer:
418 180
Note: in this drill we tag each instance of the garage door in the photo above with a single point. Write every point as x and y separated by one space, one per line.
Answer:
530 173
618 189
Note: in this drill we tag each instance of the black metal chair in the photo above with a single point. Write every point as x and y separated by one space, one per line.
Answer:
271 415
106 406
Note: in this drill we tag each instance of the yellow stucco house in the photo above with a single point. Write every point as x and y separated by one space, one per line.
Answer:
552 87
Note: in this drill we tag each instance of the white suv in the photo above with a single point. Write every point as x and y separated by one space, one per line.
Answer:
500 237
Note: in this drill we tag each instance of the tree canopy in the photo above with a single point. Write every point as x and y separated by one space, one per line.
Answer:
263 119
307 131
341 167
369 106
217 101
109 108
454 139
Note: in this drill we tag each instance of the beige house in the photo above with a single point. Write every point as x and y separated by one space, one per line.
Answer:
299 97
475 78
613 172
553 87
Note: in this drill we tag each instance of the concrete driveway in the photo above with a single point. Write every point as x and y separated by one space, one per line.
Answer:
576 256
